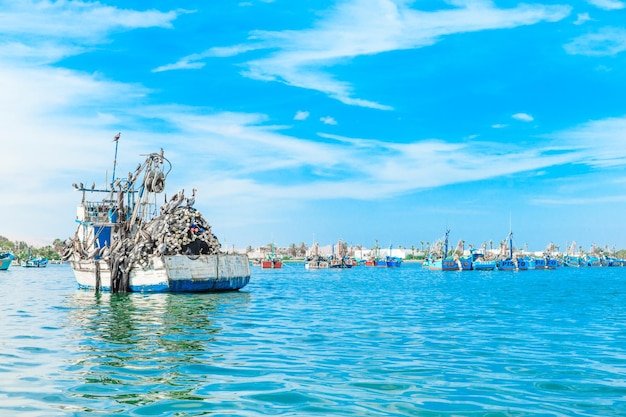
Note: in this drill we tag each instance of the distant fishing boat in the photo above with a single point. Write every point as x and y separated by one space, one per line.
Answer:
438 259
480 262
392 261
507 263
6 258
31 262
315 260
35 263
271 261
339 260
124 242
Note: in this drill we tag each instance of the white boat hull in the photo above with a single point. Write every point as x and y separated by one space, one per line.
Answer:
316 265
174 273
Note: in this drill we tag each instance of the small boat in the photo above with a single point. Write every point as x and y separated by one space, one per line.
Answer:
6 258
507 263
31 262
125 242
271 261
438 258
315 260
392 261
35 263
340 260
480 261
572 258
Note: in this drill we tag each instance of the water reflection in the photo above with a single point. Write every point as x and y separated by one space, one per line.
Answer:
137 348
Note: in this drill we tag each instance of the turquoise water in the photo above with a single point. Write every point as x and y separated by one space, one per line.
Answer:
359 342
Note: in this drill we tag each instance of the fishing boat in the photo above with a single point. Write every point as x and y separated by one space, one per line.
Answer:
35 263
315 260
573 258
506 262
6 258
31 262
271 261
480 261
392 261
124 242
438 258
340 259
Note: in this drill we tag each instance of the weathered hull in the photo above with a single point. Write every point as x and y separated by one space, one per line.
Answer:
176 273
316 265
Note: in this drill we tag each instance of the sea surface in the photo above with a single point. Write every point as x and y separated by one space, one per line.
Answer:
358 342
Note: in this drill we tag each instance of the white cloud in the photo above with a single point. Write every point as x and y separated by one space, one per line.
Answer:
194 61
327 120
582 18
597 143
366 27
607 4
605 42
499 126
524 117
301 115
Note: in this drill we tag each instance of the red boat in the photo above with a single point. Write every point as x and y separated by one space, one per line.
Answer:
271 263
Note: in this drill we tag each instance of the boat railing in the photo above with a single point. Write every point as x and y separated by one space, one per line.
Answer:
97 212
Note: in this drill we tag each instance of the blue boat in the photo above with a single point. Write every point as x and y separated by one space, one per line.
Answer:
480 262
441 262
508 264
392 261
525 263
31 262
35 263
5 260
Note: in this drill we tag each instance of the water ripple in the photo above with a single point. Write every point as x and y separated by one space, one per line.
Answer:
360 342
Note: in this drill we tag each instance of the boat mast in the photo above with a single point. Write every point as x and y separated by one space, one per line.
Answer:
116 139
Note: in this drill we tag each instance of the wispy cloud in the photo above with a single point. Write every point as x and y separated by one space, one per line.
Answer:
598 143
301 115
48 31
608 4
524 117
196 61
582 18
327 120
605 42
366 27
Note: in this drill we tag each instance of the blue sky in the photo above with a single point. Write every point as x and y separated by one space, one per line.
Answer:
308 121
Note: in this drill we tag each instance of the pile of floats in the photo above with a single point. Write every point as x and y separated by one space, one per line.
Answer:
439 259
